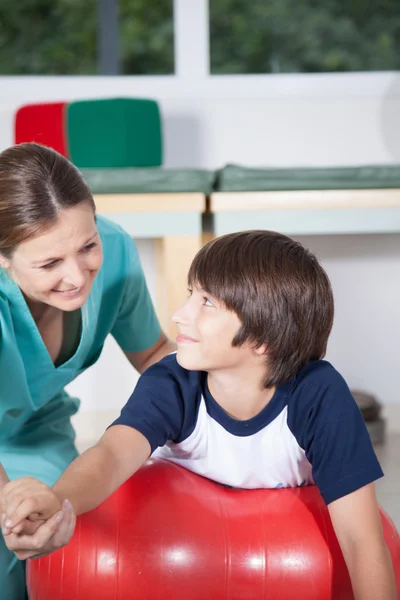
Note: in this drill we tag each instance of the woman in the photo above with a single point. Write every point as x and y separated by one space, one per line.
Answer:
67 280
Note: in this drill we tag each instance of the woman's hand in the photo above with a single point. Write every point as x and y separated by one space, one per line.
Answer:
26 498
41 537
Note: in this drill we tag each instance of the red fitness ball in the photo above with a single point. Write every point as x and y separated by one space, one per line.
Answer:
168 533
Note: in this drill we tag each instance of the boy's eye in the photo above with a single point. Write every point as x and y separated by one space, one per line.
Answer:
207 301
190 292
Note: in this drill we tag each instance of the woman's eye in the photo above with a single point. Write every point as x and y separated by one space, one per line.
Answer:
207 302
49 265
190 292
89 247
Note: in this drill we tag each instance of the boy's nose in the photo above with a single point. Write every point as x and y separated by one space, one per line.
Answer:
180 315
176 317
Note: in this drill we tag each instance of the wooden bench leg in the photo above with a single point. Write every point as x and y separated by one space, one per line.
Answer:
174 255
207 236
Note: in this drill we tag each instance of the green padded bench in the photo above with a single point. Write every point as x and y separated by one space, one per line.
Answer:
152 202
307 200
149 180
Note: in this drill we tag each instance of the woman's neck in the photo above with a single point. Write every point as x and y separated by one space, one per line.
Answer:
39 310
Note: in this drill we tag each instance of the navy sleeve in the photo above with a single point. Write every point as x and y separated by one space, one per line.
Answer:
335 438
156 406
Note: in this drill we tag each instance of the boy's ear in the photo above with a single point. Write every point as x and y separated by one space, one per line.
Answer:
261 350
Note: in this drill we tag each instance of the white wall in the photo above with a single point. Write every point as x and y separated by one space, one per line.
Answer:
256 120
269 120
364 271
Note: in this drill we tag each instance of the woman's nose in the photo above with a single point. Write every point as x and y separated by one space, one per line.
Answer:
74 275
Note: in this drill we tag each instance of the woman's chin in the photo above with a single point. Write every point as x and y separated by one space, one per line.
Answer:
68 303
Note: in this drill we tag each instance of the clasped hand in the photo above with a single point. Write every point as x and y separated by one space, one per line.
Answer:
34 522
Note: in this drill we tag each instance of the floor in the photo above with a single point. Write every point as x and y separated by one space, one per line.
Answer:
388 488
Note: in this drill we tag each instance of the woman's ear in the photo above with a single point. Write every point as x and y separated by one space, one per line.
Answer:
4 262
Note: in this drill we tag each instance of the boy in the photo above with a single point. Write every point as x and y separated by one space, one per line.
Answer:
246 401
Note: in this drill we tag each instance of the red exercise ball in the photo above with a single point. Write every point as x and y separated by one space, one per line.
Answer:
168 533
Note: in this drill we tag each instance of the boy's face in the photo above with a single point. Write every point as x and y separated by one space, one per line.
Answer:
205 333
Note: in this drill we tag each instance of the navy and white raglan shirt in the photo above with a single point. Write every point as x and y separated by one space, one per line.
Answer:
311 431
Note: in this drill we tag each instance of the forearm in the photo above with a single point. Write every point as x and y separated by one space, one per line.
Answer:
89 480
99 471
371 573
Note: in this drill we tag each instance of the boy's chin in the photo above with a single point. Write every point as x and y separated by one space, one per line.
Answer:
187 363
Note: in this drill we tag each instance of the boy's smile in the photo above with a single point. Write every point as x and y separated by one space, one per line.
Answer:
184 339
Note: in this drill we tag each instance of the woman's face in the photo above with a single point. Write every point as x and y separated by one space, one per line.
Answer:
58 267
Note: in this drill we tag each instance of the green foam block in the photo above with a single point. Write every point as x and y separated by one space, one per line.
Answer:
120 132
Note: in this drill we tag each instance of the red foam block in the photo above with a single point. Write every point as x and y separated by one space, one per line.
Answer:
42 123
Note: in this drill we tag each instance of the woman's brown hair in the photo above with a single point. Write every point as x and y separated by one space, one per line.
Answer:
36 183
279 291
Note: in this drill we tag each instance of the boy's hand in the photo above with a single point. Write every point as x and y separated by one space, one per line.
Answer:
23 499
50 535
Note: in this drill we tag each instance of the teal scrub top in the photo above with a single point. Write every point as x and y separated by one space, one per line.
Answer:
119 303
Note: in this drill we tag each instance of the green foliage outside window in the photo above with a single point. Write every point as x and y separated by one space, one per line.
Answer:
48 37
147 37
304 36
59 37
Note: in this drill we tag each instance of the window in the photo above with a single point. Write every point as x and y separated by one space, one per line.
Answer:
48 37
68 37
304 36
147 37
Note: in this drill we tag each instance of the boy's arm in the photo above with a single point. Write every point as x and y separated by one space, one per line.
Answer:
99 471
153 414
358 527
89 479
333 433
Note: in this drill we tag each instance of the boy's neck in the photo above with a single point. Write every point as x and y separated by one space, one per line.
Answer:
242 396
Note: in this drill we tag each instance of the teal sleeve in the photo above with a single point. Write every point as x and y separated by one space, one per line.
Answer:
136 327
15 403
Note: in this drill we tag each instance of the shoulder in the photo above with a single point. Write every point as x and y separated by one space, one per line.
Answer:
109 230
170 385
319 393
6 318
168 369
328 425
114 237
164 403
120 254
8 289
319 372
318 380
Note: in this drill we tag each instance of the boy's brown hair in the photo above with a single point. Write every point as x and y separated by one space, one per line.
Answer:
279 291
